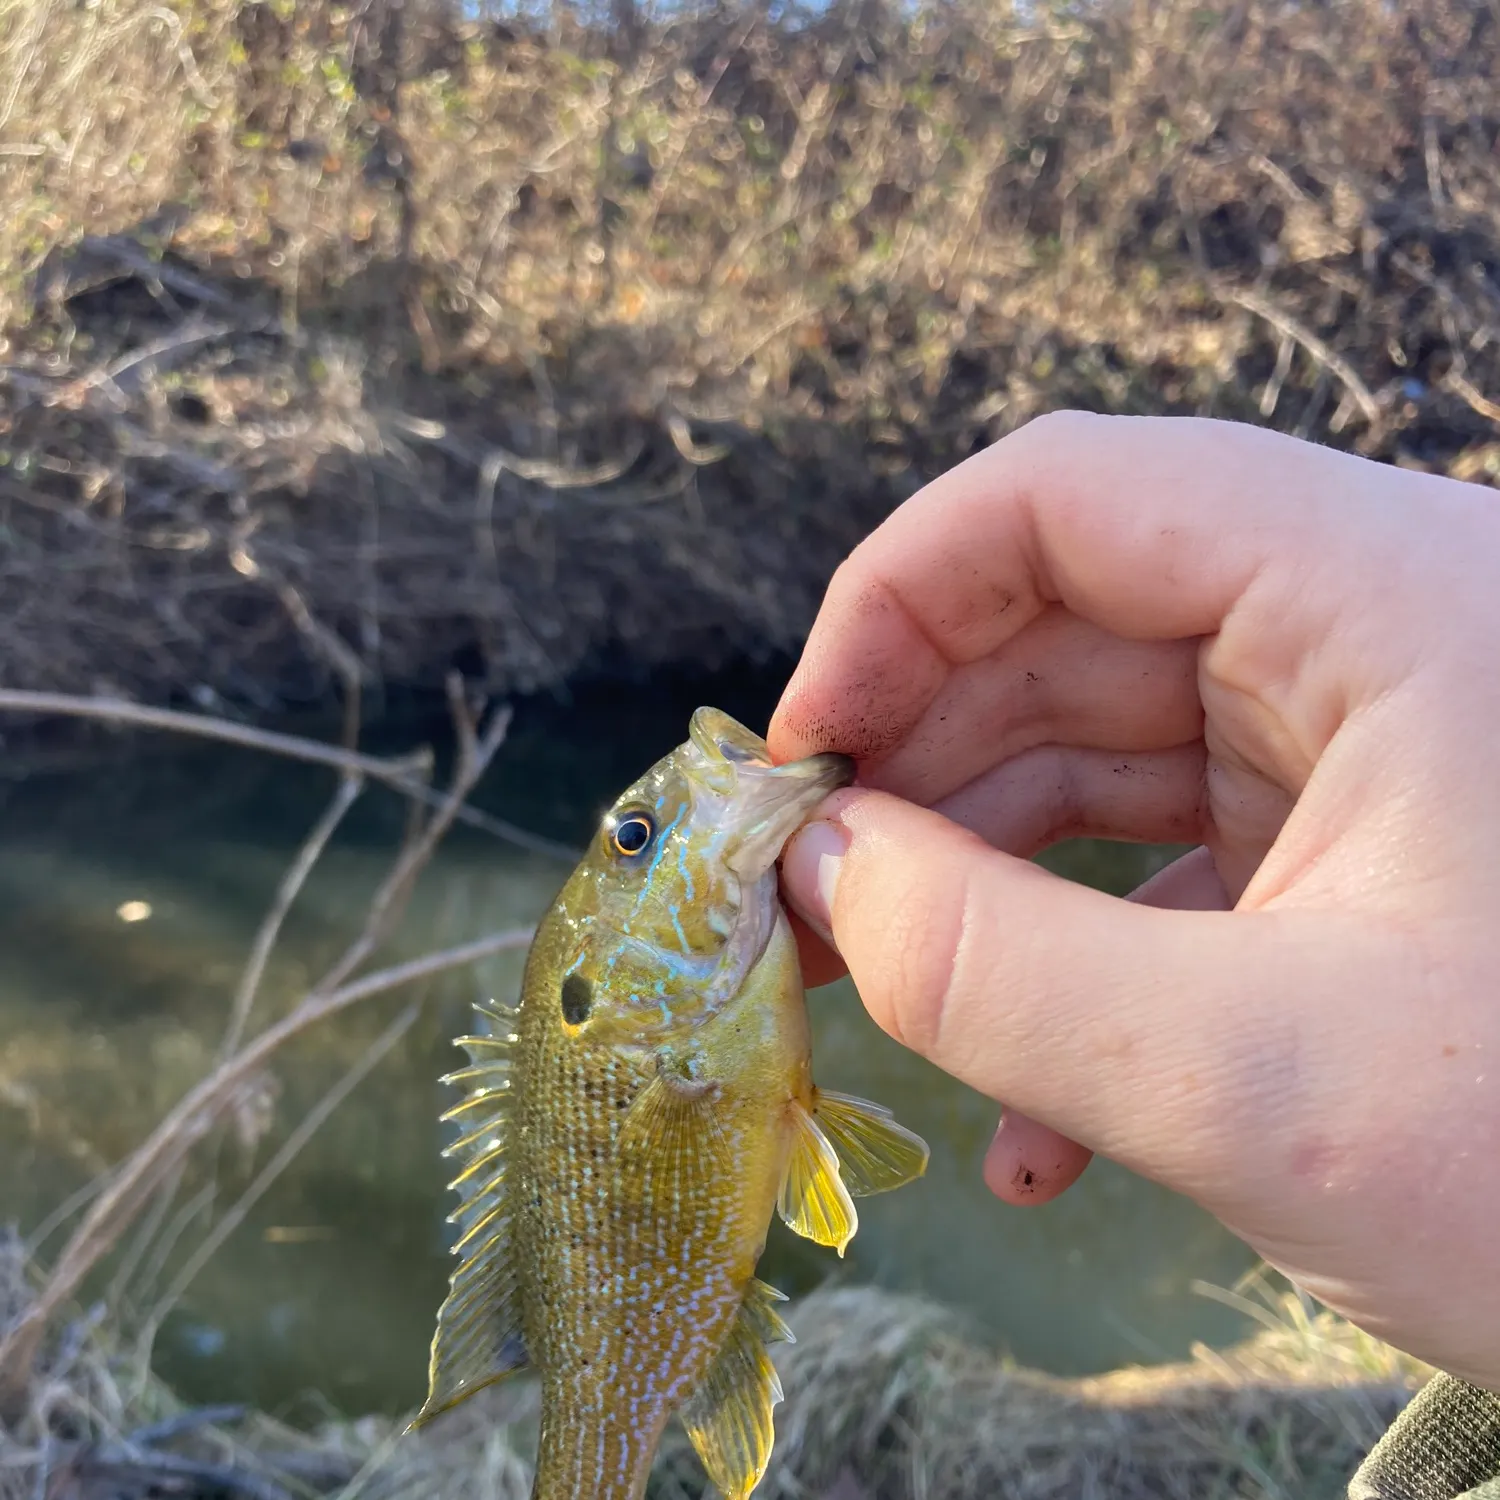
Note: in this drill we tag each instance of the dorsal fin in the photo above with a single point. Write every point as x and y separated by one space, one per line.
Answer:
728 1418
478 1339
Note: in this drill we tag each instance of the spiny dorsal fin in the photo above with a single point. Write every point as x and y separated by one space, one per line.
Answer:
813 1200
671 1137
875 1153
478 1339
728 1418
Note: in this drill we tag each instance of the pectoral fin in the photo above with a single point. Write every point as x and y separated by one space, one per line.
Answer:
478 1339
670 1139
875 1153
813 1200
728 1418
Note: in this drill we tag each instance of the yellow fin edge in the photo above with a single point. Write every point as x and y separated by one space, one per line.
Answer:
875 1153
813 1200
728 1418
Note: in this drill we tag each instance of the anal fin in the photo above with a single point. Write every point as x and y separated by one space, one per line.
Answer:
478 1339
728 1418
875 1153
813 1200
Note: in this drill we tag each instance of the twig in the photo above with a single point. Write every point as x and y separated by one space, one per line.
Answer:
1272 392
405 973
1289 327
273 1169
191 1119
195 1114
132 257
186 1421
331 646
350 785
682 440
153 1472
1475 399
497 460
63 1212
150 1226
474 754
180 341
200 1204
394 773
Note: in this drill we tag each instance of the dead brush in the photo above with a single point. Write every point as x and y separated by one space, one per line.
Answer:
58 1391
887 1398
516 341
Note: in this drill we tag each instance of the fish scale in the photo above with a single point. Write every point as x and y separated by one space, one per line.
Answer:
630 1130
609 1260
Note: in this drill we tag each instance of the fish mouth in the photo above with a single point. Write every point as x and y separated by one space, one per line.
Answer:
765 803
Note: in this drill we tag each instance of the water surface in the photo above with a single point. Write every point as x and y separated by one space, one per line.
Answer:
325 1295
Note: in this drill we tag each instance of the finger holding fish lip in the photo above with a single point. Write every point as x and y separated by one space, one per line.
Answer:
1045 795
1028 1163
1061 681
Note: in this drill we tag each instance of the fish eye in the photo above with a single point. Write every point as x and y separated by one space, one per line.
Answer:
633 833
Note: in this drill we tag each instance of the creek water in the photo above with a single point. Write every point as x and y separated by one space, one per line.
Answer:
130 891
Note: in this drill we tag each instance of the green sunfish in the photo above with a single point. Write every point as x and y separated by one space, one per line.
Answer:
630 1128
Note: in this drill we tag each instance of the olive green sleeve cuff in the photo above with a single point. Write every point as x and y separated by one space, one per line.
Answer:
1444 1446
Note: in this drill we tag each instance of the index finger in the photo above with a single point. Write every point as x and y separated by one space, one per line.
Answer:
1150 528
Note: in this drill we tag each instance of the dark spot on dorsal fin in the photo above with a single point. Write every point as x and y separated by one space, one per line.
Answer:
577 999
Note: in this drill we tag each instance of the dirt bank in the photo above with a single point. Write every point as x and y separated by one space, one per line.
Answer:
367 340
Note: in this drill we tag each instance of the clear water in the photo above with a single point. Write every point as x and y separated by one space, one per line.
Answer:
325 1295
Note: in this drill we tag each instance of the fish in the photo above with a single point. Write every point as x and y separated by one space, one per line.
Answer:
630 1128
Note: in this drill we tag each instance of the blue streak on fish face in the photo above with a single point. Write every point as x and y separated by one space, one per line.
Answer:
666 926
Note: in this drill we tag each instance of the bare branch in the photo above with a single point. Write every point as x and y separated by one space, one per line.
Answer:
394 773
196 1113
1286 325
283 1157
350 785
187 1123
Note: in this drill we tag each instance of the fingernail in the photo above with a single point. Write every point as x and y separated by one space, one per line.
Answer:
810 874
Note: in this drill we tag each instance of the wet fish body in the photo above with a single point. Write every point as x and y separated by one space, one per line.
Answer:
631 1127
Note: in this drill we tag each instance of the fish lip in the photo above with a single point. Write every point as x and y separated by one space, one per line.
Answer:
840 769
719 737
770 802
779 800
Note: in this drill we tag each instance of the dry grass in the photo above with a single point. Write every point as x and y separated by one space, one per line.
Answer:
886 1400
354 331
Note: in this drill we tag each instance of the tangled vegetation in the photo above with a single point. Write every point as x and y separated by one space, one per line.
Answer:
886 1399
383 338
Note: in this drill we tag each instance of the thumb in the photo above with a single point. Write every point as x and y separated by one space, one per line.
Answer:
1166 1039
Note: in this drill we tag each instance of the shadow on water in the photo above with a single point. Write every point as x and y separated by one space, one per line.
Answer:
330 1285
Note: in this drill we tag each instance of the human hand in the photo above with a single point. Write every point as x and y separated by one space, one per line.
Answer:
1183 630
